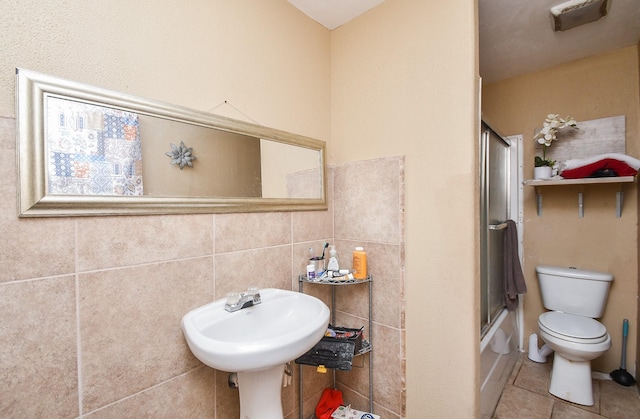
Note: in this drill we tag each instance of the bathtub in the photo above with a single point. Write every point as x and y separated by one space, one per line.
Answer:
498 355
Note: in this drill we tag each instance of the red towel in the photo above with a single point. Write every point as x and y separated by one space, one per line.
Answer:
330 400
619 167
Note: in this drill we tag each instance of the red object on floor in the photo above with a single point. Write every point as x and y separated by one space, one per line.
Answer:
330 400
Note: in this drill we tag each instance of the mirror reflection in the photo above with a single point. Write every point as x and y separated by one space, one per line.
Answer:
88 151
227 164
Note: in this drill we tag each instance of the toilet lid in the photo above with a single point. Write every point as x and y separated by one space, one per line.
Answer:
572 326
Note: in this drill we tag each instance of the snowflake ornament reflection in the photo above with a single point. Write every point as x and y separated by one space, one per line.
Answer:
181 155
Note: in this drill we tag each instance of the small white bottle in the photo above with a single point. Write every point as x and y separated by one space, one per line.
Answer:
311 272
333 260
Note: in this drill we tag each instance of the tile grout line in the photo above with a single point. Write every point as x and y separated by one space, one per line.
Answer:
78 336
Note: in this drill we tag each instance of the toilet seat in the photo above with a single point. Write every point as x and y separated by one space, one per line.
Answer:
572 328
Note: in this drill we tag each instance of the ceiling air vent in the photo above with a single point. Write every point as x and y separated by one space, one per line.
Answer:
574 13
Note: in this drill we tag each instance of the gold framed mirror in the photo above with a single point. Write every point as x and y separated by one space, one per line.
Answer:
83 150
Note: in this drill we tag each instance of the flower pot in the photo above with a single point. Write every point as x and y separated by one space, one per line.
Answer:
542 172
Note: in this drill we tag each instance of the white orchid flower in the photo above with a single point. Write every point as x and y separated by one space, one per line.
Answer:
552 124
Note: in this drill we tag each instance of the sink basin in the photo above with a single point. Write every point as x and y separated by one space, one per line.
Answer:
284 326
256 342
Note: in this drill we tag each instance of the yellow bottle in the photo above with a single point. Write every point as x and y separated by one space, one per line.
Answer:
359 263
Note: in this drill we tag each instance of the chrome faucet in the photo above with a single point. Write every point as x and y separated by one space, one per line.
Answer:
245 299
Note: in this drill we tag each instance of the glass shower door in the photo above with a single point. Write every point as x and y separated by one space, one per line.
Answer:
494 212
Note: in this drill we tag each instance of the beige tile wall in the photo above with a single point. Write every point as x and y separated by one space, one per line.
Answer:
91 307
369 212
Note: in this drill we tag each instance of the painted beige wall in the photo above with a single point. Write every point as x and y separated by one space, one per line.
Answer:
195 54
403 83
596 87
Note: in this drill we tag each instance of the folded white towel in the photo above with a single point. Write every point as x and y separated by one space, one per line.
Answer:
576 163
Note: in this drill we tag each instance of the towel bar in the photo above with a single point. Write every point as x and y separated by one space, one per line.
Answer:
501 226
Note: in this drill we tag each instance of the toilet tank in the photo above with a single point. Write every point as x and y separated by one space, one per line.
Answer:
574 291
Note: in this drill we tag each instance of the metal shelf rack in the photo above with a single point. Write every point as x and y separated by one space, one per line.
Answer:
367 346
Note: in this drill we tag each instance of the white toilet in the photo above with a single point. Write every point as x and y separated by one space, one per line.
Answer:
577 297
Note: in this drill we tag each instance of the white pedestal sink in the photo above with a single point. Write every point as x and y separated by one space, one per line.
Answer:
256 342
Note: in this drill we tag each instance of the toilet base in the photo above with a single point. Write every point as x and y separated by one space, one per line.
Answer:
571 380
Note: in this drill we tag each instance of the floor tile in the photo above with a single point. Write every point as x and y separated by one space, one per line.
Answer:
618 401
567 411
526 396
517 403
534 377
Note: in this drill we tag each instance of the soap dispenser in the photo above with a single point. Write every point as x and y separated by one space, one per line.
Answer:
333 260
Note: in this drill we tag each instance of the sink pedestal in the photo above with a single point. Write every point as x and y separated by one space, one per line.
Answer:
260 393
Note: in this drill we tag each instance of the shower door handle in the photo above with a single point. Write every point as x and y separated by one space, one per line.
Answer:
500 226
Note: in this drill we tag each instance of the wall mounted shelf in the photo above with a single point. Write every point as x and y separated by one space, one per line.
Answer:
581 182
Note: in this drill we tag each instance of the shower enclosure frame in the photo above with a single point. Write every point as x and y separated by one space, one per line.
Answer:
501 331
496 204
514 201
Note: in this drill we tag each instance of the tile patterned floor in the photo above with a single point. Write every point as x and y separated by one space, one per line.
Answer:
526 396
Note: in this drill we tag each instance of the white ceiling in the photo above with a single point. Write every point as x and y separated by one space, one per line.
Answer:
515 35
334 13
